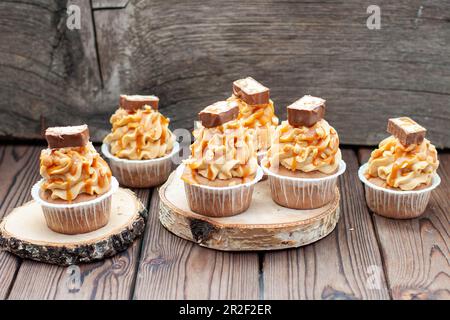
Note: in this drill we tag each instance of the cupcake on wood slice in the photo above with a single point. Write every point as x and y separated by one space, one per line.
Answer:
256 111
77 185
220 174
304 160
401 172
140 147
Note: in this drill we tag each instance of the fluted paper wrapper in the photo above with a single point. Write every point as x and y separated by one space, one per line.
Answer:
303 193
396 204
261 155
141 173
79 217
220 201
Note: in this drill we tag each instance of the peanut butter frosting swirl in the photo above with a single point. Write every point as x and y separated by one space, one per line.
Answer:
140 135
223 152
403 167
306 149
260 117
69 172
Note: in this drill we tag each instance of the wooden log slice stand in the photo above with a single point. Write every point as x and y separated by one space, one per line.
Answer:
24 232
264 226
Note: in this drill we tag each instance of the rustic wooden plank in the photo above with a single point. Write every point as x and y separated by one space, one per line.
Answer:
416 252
19 171
188 54
109 4
109 279
54 77
173 268
339 266
366 75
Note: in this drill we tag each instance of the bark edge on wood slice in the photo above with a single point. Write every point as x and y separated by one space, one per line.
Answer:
38 242
264 226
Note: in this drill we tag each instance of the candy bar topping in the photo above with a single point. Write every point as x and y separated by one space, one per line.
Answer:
256 110
251 91
219 113
223 152
305 149
403 166
141 135
71 171
406 130
133 103
71 136
306 111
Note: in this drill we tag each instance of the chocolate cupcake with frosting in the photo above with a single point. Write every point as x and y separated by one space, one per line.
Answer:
220 173
77 185
304 159
401 172
256 111
140 146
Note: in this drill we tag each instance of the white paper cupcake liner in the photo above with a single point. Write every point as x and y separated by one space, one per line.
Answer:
396 204
141 173
79 217
303 193
219 201
261 155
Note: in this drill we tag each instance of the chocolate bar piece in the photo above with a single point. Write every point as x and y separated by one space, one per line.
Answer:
63 137
251 91
306 111
219 113
135 102
406 130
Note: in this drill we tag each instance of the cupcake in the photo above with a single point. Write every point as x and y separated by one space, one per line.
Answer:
256 111
304 160
77 185
140 147
222 169
401 173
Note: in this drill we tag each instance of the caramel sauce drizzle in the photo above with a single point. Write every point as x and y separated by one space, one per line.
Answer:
313 139
72 170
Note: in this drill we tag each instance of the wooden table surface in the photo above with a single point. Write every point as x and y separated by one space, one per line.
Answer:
365 257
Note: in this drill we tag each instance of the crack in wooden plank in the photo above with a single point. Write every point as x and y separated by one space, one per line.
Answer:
94 27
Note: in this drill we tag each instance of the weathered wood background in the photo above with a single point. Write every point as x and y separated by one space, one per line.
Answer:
188 54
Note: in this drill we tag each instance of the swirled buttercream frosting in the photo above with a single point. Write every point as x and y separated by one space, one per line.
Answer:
259 117
403 167
305 149
72 171
139 135
225 152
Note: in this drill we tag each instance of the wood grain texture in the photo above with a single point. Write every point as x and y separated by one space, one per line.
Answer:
50 73
188 53
109 279
339 266
19 171
417 251
173 268
263 226
109 4
25 233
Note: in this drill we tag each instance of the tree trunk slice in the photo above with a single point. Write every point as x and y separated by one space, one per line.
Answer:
264 226
24 232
